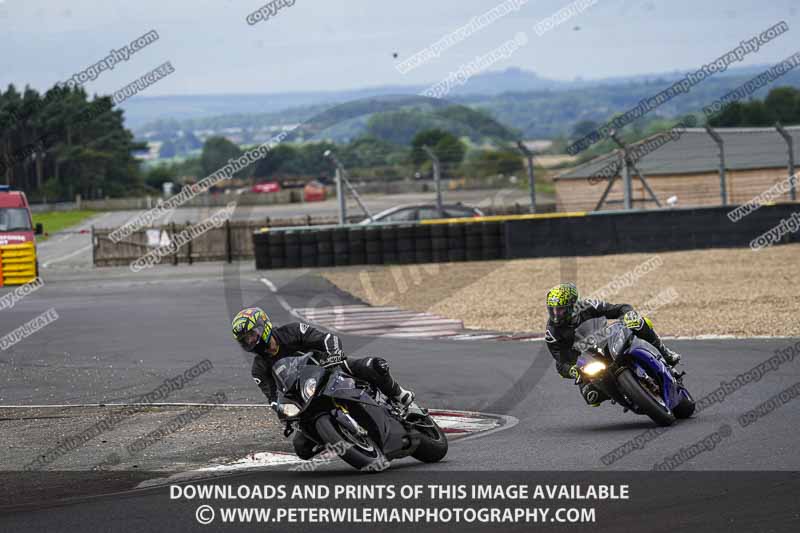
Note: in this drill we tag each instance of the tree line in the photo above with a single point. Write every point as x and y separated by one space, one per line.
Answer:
58 144
782 104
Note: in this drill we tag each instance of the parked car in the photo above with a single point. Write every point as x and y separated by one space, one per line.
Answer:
267 186
413 213
314 191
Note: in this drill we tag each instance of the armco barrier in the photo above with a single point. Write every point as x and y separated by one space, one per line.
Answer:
516 236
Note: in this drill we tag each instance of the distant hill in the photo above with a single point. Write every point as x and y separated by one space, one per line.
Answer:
535 106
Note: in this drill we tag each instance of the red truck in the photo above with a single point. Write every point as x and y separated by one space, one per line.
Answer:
18 263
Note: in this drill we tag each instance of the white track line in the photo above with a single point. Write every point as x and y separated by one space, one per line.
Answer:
64 257
346 309
269 284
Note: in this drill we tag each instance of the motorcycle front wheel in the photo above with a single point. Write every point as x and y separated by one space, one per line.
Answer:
359 451
645 399
433 442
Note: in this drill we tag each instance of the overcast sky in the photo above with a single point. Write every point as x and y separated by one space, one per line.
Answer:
342 44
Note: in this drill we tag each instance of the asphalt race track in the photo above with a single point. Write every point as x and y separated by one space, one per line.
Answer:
118 335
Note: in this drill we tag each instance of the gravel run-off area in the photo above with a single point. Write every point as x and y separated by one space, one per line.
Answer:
690 293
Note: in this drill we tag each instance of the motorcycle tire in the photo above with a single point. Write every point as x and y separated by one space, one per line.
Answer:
685 408
433 442
629 385
362 453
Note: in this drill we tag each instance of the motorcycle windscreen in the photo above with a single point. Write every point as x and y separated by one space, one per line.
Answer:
593 332
619 338
287 372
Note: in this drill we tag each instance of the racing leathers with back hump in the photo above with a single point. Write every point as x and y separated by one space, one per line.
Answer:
560 338
299 337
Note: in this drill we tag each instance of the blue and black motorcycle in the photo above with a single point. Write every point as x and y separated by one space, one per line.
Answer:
630 372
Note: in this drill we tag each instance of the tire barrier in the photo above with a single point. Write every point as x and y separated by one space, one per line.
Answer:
456 247
357 252
520 236
234 241
423 247
389 245
378 244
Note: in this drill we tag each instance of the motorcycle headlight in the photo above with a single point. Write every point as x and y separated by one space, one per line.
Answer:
593 368
309 388
290 409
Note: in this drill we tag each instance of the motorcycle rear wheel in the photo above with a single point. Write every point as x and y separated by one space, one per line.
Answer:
659 413
361 452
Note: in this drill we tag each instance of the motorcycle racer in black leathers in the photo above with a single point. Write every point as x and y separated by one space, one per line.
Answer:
255 333
566 311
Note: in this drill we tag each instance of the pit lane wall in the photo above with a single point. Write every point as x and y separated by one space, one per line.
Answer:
521 236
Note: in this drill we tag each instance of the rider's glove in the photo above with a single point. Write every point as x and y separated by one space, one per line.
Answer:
563 370
633 320
573 372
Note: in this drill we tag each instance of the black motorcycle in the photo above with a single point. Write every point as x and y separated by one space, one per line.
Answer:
336 410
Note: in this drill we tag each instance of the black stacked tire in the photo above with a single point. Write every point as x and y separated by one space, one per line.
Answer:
405 245
308 248
373 245
341 246
261 250
389 244
439 243
492 236
358 255
324 247
455 242
473 239
277 249
423 248
292 239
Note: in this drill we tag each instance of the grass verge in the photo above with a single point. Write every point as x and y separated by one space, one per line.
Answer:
55 221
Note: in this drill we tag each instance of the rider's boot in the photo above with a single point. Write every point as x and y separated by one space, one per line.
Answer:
403 397
670 356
